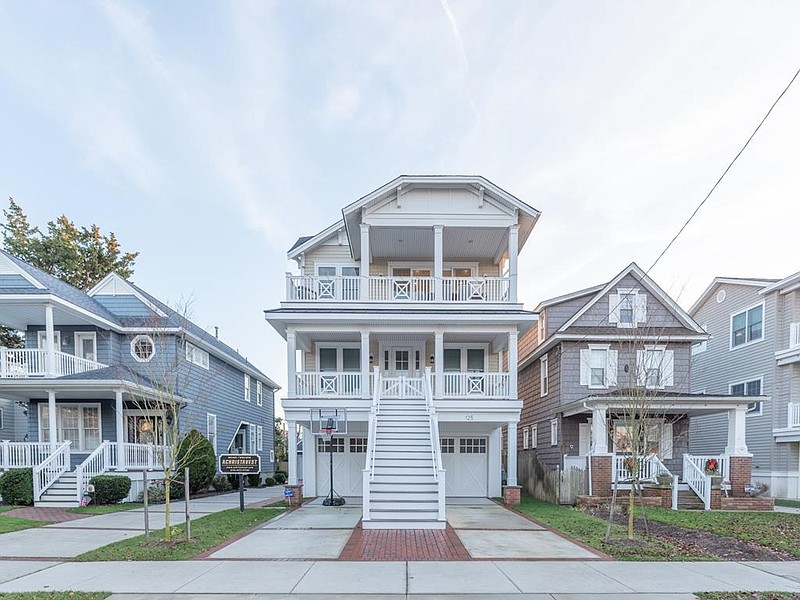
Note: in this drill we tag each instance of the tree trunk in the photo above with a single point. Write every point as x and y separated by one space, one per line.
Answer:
631 505
167 528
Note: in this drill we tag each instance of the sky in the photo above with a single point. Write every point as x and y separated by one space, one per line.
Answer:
210 135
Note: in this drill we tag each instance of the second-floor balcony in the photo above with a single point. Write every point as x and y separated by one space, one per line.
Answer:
33 362
480 289
790 352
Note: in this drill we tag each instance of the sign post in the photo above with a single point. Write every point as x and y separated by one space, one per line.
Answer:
241 465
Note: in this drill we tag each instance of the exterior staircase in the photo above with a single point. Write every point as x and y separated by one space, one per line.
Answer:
402 485
688 499
62 493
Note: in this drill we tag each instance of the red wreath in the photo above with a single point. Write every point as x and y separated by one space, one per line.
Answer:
711 465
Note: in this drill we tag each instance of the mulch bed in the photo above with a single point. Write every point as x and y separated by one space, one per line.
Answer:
694 542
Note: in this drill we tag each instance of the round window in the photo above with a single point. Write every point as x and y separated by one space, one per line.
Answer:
721 296
142 348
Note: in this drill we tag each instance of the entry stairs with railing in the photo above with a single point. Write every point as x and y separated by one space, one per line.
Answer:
403 480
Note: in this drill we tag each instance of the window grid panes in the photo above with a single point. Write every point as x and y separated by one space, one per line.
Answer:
324 445
748 388
598 365
472 446
448 445
358 445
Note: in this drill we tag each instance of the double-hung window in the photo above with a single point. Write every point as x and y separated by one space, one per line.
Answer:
534 435
749 388
544 374
246 387
554 432
259 393
747 326
598 366
79 423
627 308
655 368
526 437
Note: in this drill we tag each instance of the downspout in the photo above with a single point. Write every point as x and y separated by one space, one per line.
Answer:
589 458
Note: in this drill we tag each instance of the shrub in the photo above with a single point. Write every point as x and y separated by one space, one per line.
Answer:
254 480
16 487
196 453
279 477
221 483
269 481
155 494
110 489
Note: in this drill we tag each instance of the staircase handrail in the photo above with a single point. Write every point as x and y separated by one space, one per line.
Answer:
373 423
97 463
47 472
698 481
436 450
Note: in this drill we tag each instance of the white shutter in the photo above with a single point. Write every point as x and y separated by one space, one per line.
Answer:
586 369
640 311
641 367
612 358
665 445
668 369
613 308
584 438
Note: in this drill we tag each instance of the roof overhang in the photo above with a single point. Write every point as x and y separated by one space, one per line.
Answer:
38 389
760 283
690 404
786 285
21 310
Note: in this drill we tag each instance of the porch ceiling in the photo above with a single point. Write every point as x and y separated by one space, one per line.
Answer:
459 243
692 405
19 313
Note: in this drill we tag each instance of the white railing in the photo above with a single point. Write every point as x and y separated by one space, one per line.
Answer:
697 480
643 468
794 414
700 461
401 387
436 448
320 384
794 335
119 455
396 289
19 455
97 463
47 472
32 362
482 385
369 465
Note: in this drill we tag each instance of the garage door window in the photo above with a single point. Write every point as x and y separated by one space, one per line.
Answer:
358 445
448 445
472 446
325 445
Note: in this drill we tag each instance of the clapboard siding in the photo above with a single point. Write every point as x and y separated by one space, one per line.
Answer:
15 281
125 305
14 422
714 370
103 337
330 253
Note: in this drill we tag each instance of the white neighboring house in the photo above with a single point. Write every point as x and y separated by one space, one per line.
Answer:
405 314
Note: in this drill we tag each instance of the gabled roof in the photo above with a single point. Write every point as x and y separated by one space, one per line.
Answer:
785 285
571 296
114 285
752 282
309 241
646 282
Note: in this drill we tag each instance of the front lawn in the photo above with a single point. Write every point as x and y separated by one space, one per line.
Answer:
104 509
55 596
591 531
207 532
789 503
9 524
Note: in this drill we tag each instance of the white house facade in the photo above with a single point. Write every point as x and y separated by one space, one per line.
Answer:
405 317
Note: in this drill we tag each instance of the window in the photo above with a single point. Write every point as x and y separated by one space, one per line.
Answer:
534 435
211 429
86 345
252 435
747 326
656 438
272 456
472 446
526 437
196 355
324 445
700 347
246 387
545 375
598 366
627 305
79 423
2 424
627 308
448 445
144 427
554 432
41 339
259 438
749 388
338 282
259 393
358 445
655 367
542 327
142 348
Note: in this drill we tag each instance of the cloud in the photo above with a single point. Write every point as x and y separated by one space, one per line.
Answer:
343 103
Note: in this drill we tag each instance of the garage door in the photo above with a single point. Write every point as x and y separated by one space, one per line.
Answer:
349 458
466 461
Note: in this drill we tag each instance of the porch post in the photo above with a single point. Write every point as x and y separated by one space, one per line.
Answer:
50 340
513 251
365 388
438 365
121 462
512 365
599 443
291 441
364 270
511 474
51 419
291 362
438 260
737 445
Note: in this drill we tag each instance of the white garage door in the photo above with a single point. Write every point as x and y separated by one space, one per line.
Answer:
466 461
349 458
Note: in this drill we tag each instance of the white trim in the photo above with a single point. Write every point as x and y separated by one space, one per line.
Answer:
315 240
17 270
554 432
747 342
79 445
544 375
84 335
208 430
526 437
762 283
114 285
41 339
247 393
759 403
534 435
133 345
791 280
571 296
259 438
197 355
259 393
2 420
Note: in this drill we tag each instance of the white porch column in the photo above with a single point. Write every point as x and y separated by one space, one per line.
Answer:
513 252
51 418
364 270
599 432
50 340
438 260
737 445
511 474
291 363
438 364
512 365
291 442
365 388
121 462
495 457
309 463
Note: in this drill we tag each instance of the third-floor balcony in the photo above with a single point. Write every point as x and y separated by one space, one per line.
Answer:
480 289
790 352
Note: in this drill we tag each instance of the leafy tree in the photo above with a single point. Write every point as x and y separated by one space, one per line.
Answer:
281 440
81 256
11 338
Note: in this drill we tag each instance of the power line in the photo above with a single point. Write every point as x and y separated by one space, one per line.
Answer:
725 172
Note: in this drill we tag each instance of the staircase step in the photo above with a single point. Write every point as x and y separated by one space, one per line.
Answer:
403 487
405 524
403 479
403 515
402 454
380 505
403 496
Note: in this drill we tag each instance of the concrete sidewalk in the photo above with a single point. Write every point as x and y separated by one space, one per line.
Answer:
324 579
71 538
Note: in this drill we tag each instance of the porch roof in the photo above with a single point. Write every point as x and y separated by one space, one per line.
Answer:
664 403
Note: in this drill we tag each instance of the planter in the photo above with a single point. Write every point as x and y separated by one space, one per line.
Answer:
716 481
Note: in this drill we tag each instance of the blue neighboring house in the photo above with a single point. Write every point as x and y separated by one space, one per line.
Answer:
110 370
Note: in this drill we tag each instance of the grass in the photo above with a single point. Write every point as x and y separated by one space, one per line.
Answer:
55 595
207 532
591 531
789 503
780 531
104 509
748 595
9 524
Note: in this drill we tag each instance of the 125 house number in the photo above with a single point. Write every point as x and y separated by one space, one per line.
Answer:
469 417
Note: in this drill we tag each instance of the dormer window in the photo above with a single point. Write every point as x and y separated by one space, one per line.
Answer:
627 308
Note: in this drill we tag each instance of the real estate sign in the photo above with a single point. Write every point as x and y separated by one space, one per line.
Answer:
239 464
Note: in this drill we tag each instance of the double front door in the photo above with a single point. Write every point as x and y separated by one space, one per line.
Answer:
403 361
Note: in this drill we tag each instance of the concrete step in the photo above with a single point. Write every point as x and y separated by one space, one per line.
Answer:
407 524
404 515
55 504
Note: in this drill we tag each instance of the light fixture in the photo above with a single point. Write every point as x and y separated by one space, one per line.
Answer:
371 359
432 358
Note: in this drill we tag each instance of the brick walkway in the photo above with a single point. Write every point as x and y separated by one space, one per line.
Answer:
404 544
54 515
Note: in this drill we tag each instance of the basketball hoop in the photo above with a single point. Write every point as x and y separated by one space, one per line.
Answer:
329 422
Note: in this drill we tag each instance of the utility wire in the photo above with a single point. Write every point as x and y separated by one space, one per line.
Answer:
725 172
